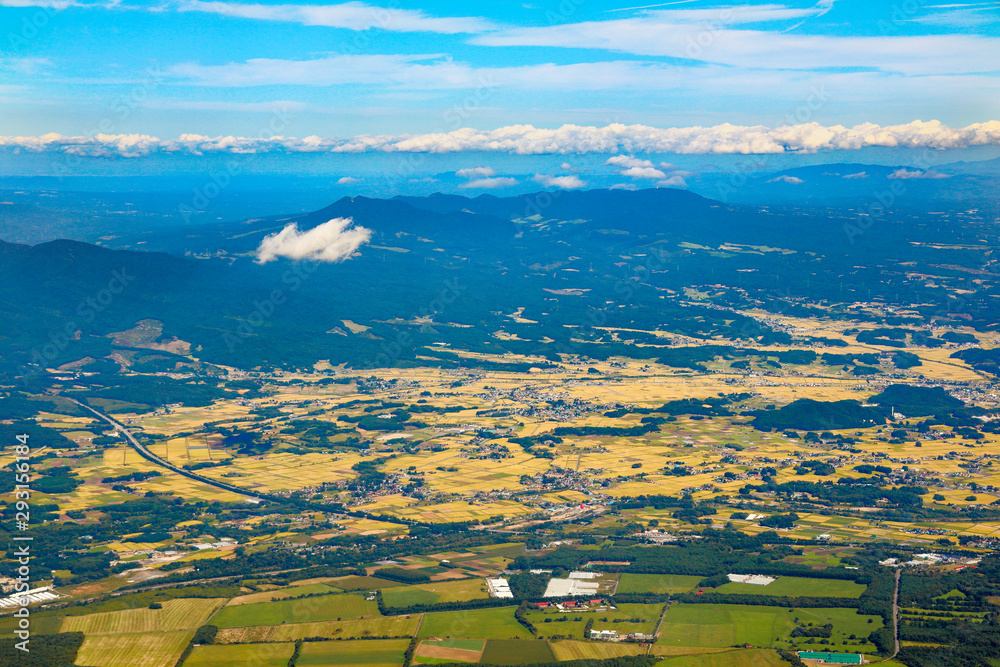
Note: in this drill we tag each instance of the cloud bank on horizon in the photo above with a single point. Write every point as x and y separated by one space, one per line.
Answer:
706 76
528 140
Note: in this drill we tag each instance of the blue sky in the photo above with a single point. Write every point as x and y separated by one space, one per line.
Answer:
334 72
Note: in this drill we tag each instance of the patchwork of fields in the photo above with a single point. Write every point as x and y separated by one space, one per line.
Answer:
180 614
337 628
318 608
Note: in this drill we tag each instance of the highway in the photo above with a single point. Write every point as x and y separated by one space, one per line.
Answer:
153 458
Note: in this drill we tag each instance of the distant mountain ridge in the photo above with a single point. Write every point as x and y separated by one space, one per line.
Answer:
388 219
452 269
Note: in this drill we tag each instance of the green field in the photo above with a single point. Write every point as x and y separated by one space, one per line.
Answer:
424 660
281 593
40 624
322 608
517 652
497 623
405 596
393 626
463 644
155 649
733 625
457 590
745 658
178 614
798 587
258 655
666 584
551 622
953 593
818 558
353 583
373 653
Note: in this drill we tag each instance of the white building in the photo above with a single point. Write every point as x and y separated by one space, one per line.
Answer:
753 579
33 596
499 588
560 588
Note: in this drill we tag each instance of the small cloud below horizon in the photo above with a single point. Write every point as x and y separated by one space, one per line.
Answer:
484 178
784 178
348 180
675 181
489 183
852 177
572 182
667 174
476 172
333 241
906 174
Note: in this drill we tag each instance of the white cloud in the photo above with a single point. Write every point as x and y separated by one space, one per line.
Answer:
435 71
26 65
489 183
634 167
959 15
561 182
784 178
788 90
46 4
624 186
852 177
675 181
643 172
482 178
348 180
716 36
328 71
473 172
908 174
529 140
627 161
348 15
566 166
332 241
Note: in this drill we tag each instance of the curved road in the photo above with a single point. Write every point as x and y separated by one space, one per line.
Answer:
153 458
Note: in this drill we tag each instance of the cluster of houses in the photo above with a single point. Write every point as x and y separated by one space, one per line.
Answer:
923 560
655 536
558 478
597 604
544 404
614 636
